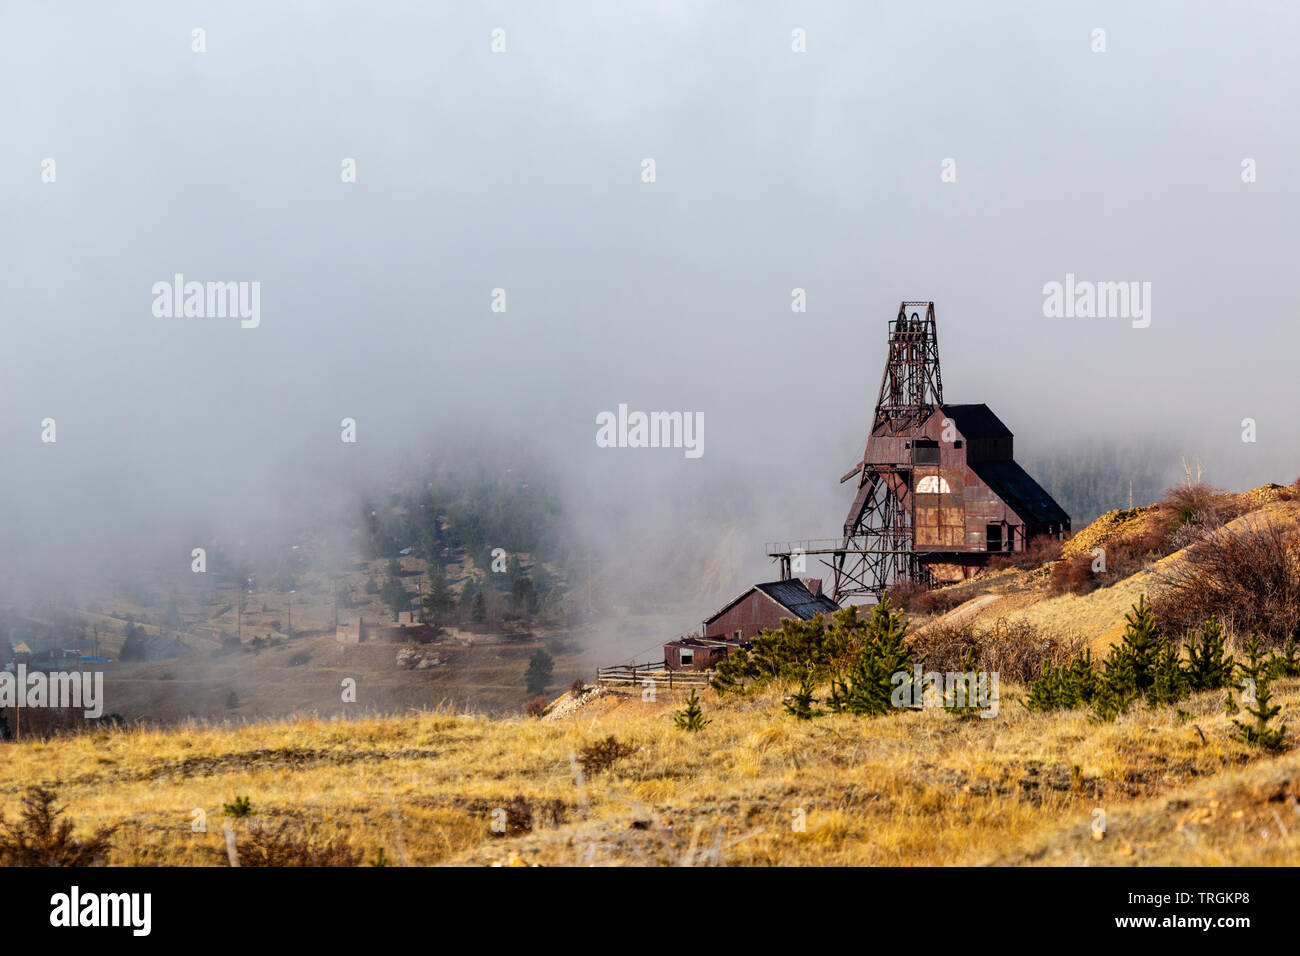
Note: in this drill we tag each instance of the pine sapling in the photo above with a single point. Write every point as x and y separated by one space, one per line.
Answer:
1169 684
691 718
884 653
1258 697
1116 688
801 703
1044 690
1142 643
1286 664
1208 666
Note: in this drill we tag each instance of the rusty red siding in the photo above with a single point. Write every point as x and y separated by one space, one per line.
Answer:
753 613
704 657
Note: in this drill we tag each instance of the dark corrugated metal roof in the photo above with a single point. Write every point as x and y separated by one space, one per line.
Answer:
976 421
794 596
1022 494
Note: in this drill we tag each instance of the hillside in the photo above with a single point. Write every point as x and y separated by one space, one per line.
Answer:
919 789
1096 618
1159 785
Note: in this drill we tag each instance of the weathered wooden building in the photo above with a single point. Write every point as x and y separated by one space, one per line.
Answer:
696 654
969 498
760 608
764 606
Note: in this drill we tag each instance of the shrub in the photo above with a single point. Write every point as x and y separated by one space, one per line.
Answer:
42 836
917 598
1199 508
521 815
962 702
1040 550
1072 576
603 754
1130 554
1249 576
537 706
1015 650
282 846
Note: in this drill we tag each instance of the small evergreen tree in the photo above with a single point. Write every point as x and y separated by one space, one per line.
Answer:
870 683
1208 666
538 676
1129 672
1063 687
1286 664
1142 643
1255 672
1169 683
439 603
395 596
691 718
818 647
1116 687
731 673
239 807
800 703
1080 684
1044 690
134 645
523 596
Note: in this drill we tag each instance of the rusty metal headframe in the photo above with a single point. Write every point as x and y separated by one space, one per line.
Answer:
879 543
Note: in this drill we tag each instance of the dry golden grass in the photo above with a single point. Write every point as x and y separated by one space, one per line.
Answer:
917 789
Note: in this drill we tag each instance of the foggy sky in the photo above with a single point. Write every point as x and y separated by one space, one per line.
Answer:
522 171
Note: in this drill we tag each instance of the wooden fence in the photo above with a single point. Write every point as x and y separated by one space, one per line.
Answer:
659 673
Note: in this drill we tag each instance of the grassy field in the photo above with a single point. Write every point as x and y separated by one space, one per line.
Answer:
755 787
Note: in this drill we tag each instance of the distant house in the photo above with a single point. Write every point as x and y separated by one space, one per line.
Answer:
761 608
359 632
351 632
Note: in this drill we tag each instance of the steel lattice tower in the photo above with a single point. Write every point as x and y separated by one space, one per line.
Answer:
879 545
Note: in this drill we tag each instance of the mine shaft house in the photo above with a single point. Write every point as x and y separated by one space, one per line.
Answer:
971 497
